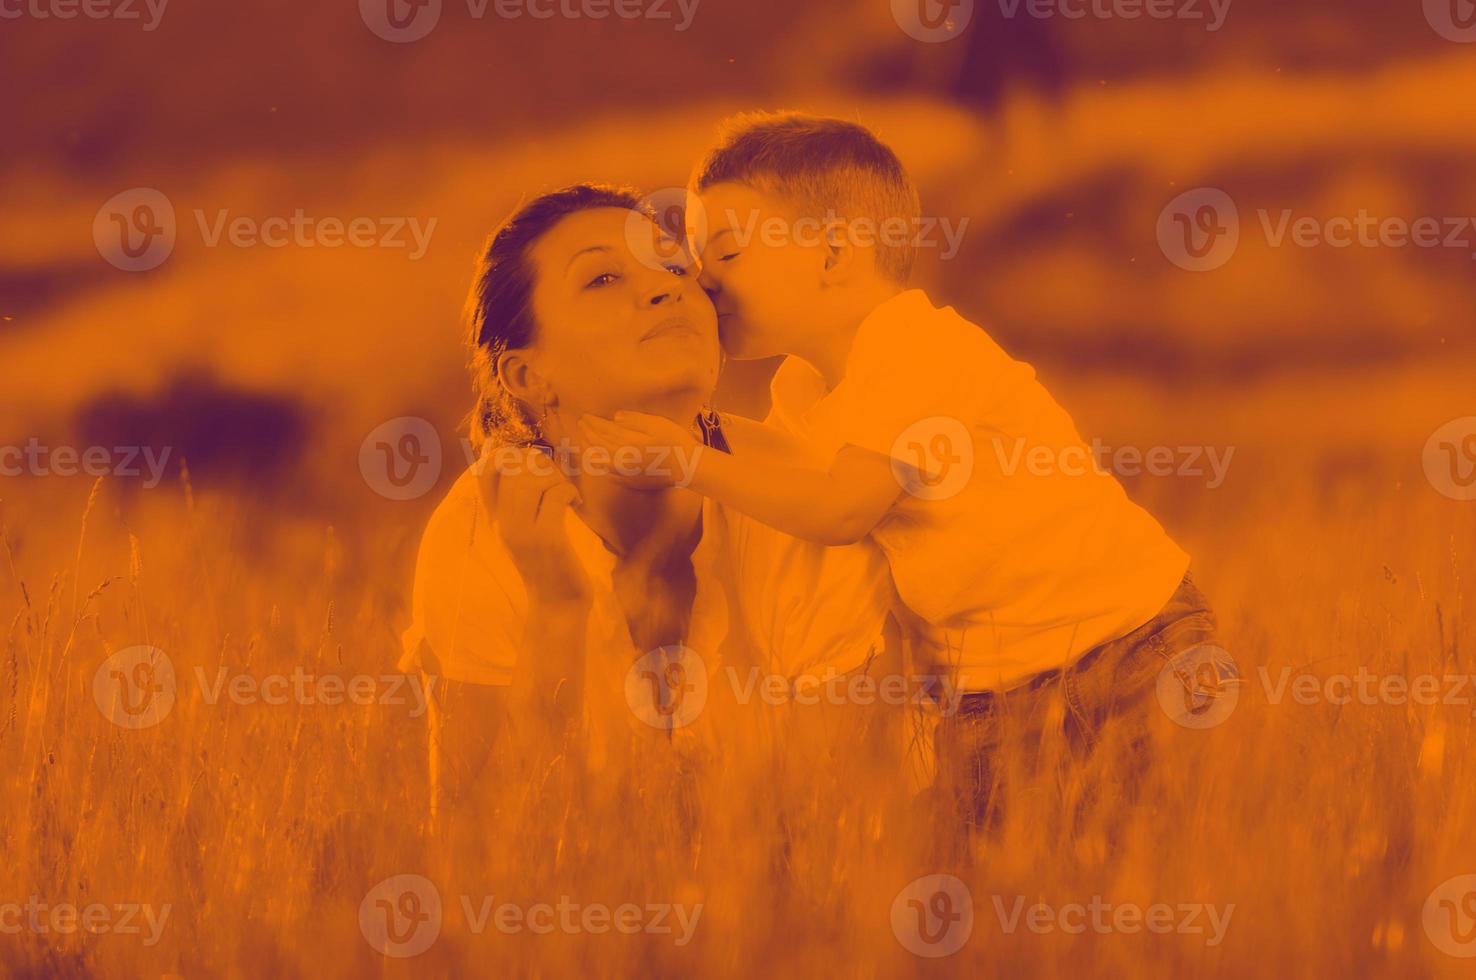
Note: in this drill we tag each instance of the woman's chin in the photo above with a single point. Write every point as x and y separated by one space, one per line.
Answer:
696 383
678 396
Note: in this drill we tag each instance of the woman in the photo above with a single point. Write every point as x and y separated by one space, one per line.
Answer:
582 620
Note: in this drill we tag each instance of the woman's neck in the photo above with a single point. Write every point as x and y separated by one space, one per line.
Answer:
646 526
642 527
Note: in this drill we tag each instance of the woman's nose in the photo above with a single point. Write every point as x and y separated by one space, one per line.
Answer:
662 293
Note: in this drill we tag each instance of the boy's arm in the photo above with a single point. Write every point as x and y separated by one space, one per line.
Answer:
835 508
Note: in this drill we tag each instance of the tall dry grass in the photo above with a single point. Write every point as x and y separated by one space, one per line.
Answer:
263 826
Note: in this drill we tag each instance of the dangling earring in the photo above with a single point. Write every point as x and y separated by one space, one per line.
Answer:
709 423
540 433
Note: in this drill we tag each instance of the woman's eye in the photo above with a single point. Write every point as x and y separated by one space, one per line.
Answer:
677 270
729 257
603 279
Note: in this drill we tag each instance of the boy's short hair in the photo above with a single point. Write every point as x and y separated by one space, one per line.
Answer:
827 168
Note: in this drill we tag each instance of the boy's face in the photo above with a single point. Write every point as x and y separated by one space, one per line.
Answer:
762 265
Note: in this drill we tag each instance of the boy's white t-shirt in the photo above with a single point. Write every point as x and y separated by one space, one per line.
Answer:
1012 551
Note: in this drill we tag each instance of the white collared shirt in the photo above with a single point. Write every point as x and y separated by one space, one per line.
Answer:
763 600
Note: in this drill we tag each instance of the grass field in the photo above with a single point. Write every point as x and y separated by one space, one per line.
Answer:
262 827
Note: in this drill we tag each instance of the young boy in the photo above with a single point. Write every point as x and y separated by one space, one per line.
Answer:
1019 561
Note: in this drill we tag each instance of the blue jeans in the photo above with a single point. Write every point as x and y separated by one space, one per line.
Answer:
1115 684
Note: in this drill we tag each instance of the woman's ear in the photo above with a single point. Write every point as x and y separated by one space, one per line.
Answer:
520 377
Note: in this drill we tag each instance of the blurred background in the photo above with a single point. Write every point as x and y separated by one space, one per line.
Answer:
1055 143
1127 189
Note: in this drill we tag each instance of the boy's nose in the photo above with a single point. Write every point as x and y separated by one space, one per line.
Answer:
709 282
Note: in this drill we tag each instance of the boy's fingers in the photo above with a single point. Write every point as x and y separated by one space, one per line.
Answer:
603 431
597 423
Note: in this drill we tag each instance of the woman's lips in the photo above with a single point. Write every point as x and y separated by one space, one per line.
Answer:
671 324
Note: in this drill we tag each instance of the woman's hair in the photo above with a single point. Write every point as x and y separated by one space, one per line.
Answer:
499 311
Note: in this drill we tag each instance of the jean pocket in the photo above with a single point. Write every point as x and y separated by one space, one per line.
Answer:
1084 690
1123 672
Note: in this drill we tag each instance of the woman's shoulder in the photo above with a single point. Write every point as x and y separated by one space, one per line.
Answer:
459 527
460 508
467 600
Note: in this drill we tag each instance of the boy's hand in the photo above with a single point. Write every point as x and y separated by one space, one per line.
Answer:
650 444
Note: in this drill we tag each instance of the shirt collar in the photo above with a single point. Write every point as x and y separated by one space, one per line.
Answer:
798 386
880 324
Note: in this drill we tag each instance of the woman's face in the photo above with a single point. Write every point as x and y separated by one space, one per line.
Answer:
616 328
